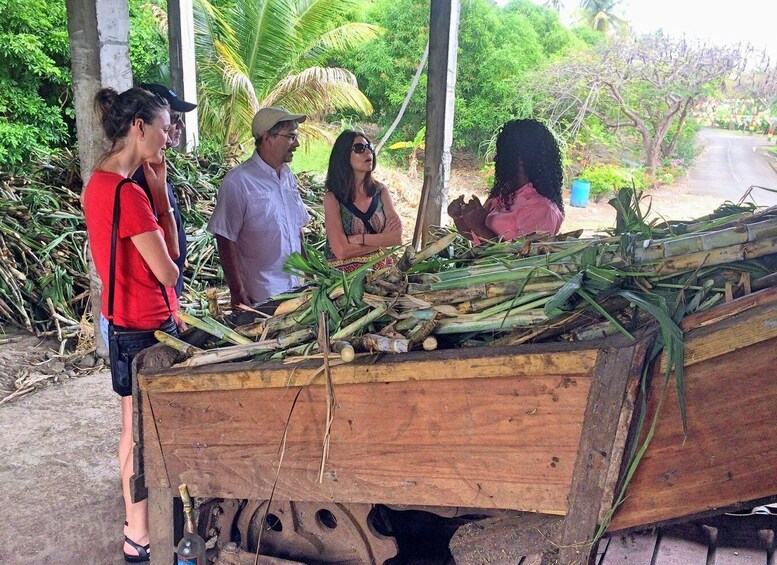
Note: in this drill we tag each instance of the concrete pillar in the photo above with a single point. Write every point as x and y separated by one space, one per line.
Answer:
440 93
180 25
99 52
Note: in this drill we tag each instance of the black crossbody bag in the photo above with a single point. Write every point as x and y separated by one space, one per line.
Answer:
124 343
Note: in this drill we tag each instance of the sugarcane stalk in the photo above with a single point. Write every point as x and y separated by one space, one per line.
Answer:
293 304
707 241
371 343
214 328
536 274
456 295
472 306
177 344
532 298
718 256
421 332
236 352
494 323
344 349
361 323
434 248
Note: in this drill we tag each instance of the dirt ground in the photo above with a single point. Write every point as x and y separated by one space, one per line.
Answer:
59 479
58 469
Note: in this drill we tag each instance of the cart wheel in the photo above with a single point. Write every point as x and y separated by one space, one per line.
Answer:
321 532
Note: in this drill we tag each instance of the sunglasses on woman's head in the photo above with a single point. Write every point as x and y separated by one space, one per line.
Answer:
360 148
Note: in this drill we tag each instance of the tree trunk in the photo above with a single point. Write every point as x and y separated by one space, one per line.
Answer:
652 159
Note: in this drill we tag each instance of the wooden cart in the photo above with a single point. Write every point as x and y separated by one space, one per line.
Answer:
536 428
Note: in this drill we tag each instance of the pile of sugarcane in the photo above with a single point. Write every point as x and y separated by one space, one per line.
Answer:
451 294
44 279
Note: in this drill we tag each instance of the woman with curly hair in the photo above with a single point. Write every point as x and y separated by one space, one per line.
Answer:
526 197
359 215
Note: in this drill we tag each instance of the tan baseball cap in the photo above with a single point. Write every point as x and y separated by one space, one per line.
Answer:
267 117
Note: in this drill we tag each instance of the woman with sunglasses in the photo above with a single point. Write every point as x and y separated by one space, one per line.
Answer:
526 197
359 215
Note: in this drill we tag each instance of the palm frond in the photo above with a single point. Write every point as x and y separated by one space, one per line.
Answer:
318 90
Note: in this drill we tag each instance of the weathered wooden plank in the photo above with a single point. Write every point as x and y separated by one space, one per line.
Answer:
738 331
728 309
497 412
416 476
154 472
160 525
607 420
728 456
439 365
672 550
739 556
629 549
137 481
506 443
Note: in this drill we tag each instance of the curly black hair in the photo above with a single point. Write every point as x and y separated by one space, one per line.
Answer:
529 144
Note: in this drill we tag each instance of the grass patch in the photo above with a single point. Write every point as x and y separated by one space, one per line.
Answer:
312 156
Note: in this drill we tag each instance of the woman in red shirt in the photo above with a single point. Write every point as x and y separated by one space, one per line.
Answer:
136 124
526 197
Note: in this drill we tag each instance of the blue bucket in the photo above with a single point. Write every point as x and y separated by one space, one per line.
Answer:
581 189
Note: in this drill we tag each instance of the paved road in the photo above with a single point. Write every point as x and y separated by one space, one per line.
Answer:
729 164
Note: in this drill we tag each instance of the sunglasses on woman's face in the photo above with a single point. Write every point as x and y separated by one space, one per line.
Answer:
360 148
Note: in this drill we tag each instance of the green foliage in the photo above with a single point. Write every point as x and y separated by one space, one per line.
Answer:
384 71
312 155
34 79
588 36
609 178
36 108
687 148
271 52
497 47
148 44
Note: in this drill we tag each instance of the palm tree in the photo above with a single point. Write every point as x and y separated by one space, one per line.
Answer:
254 53
600 15
554 5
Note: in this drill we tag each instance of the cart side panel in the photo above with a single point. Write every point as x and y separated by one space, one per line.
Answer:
729 454
494 443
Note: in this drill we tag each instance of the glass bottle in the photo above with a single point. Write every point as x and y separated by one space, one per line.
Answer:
191 548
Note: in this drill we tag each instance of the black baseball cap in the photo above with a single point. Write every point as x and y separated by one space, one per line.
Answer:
163 92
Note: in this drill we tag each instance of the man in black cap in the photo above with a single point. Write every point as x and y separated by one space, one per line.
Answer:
177 107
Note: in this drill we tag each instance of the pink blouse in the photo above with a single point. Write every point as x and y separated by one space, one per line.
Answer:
529 212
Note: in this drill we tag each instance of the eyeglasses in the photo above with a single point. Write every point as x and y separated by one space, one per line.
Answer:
292 137
176 120
360 148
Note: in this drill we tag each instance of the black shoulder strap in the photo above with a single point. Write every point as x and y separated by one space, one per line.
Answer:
365 217
114 241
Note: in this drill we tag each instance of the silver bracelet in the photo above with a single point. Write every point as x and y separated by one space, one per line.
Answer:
170 210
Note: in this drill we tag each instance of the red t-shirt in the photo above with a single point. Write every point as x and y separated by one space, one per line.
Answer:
138 302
